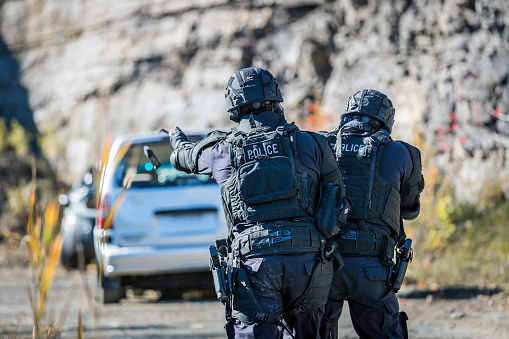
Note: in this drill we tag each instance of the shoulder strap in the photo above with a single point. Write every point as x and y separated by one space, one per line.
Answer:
330 170
233 138
381 138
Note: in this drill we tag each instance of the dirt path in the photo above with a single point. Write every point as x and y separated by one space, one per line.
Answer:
146 317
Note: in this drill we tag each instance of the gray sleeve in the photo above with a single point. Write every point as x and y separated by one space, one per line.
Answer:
187 156
215 160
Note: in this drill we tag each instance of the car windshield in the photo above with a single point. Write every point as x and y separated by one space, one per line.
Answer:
135 170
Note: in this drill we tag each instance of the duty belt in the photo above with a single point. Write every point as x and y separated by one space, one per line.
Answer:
278 237
360 242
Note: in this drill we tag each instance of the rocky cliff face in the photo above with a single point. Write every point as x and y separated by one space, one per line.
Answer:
91 67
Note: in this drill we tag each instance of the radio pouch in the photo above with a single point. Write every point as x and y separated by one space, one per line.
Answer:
332 210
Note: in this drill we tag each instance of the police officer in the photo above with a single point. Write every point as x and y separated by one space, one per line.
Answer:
270 175
383 179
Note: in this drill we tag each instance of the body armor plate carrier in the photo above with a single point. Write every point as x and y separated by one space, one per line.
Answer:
374 221
268 182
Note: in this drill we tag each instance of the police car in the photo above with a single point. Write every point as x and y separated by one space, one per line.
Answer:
154 225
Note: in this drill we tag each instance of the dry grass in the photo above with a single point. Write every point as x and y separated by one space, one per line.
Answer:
44 244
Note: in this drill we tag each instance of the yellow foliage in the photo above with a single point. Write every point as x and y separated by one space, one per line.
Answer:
18 138
45 246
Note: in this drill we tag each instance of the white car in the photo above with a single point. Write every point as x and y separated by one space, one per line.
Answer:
154 226
77 223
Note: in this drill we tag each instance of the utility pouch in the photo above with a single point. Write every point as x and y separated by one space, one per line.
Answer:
317 292
387 254
332 210
396 274
268 186
245 306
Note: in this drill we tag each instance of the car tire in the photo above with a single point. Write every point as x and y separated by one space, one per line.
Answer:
138 291
171 294
112 290
69 261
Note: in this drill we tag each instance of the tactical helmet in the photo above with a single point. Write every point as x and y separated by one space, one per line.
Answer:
369 104
252 88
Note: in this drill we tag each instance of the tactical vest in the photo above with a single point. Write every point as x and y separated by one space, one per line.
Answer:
267 181
375 200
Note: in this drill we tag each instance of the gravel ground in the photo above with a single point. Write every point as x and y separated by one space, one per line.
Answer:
482 316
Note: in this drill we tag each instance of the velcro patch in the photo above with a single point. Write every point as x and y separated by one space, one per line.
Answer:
353 148
267 148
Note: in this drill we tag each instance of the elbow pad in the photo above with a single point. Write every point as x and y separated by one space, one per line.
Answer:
179 158
408 214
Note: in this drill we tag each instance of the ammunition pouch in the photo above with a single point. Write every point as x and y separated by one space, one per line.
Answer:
278 237
355 242
317 292
332 209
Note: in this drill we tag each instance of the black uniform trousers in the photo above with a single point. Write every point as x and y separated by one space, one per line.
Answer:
374 307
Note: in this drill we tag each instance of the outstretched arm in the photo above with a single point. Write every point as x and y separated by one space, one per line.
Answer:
186 154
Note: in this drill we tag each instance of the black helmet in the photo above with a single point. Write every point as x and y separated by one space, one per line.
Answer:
250 89
371 104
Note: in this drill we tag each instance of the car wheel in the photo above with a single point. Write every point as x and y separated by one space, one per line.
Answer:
138 291
70 262
170 294
112 290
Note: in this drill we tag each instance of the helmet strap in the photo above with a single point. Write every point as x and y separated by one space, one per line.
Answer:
267 119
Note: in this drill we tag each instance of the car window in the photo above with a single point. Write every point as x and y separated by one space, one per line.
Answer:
135 170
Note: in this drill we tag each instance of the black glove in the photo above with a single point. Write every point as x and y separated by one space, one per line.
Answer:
176 137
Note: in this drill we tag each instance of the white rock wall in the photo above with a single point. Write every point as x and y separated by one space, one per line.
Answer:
93 67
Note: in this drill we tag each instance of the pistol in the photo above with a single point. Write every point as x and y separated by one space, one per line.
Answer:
404 256
219 274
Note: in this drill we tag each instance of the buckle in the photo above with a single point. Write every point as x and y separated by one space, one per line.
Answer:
348 234
278 223
261 316
280 233
280 236
330 250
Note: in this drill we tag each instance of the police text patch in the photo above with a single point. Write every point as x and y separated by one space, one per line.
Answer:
268 148
352 148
